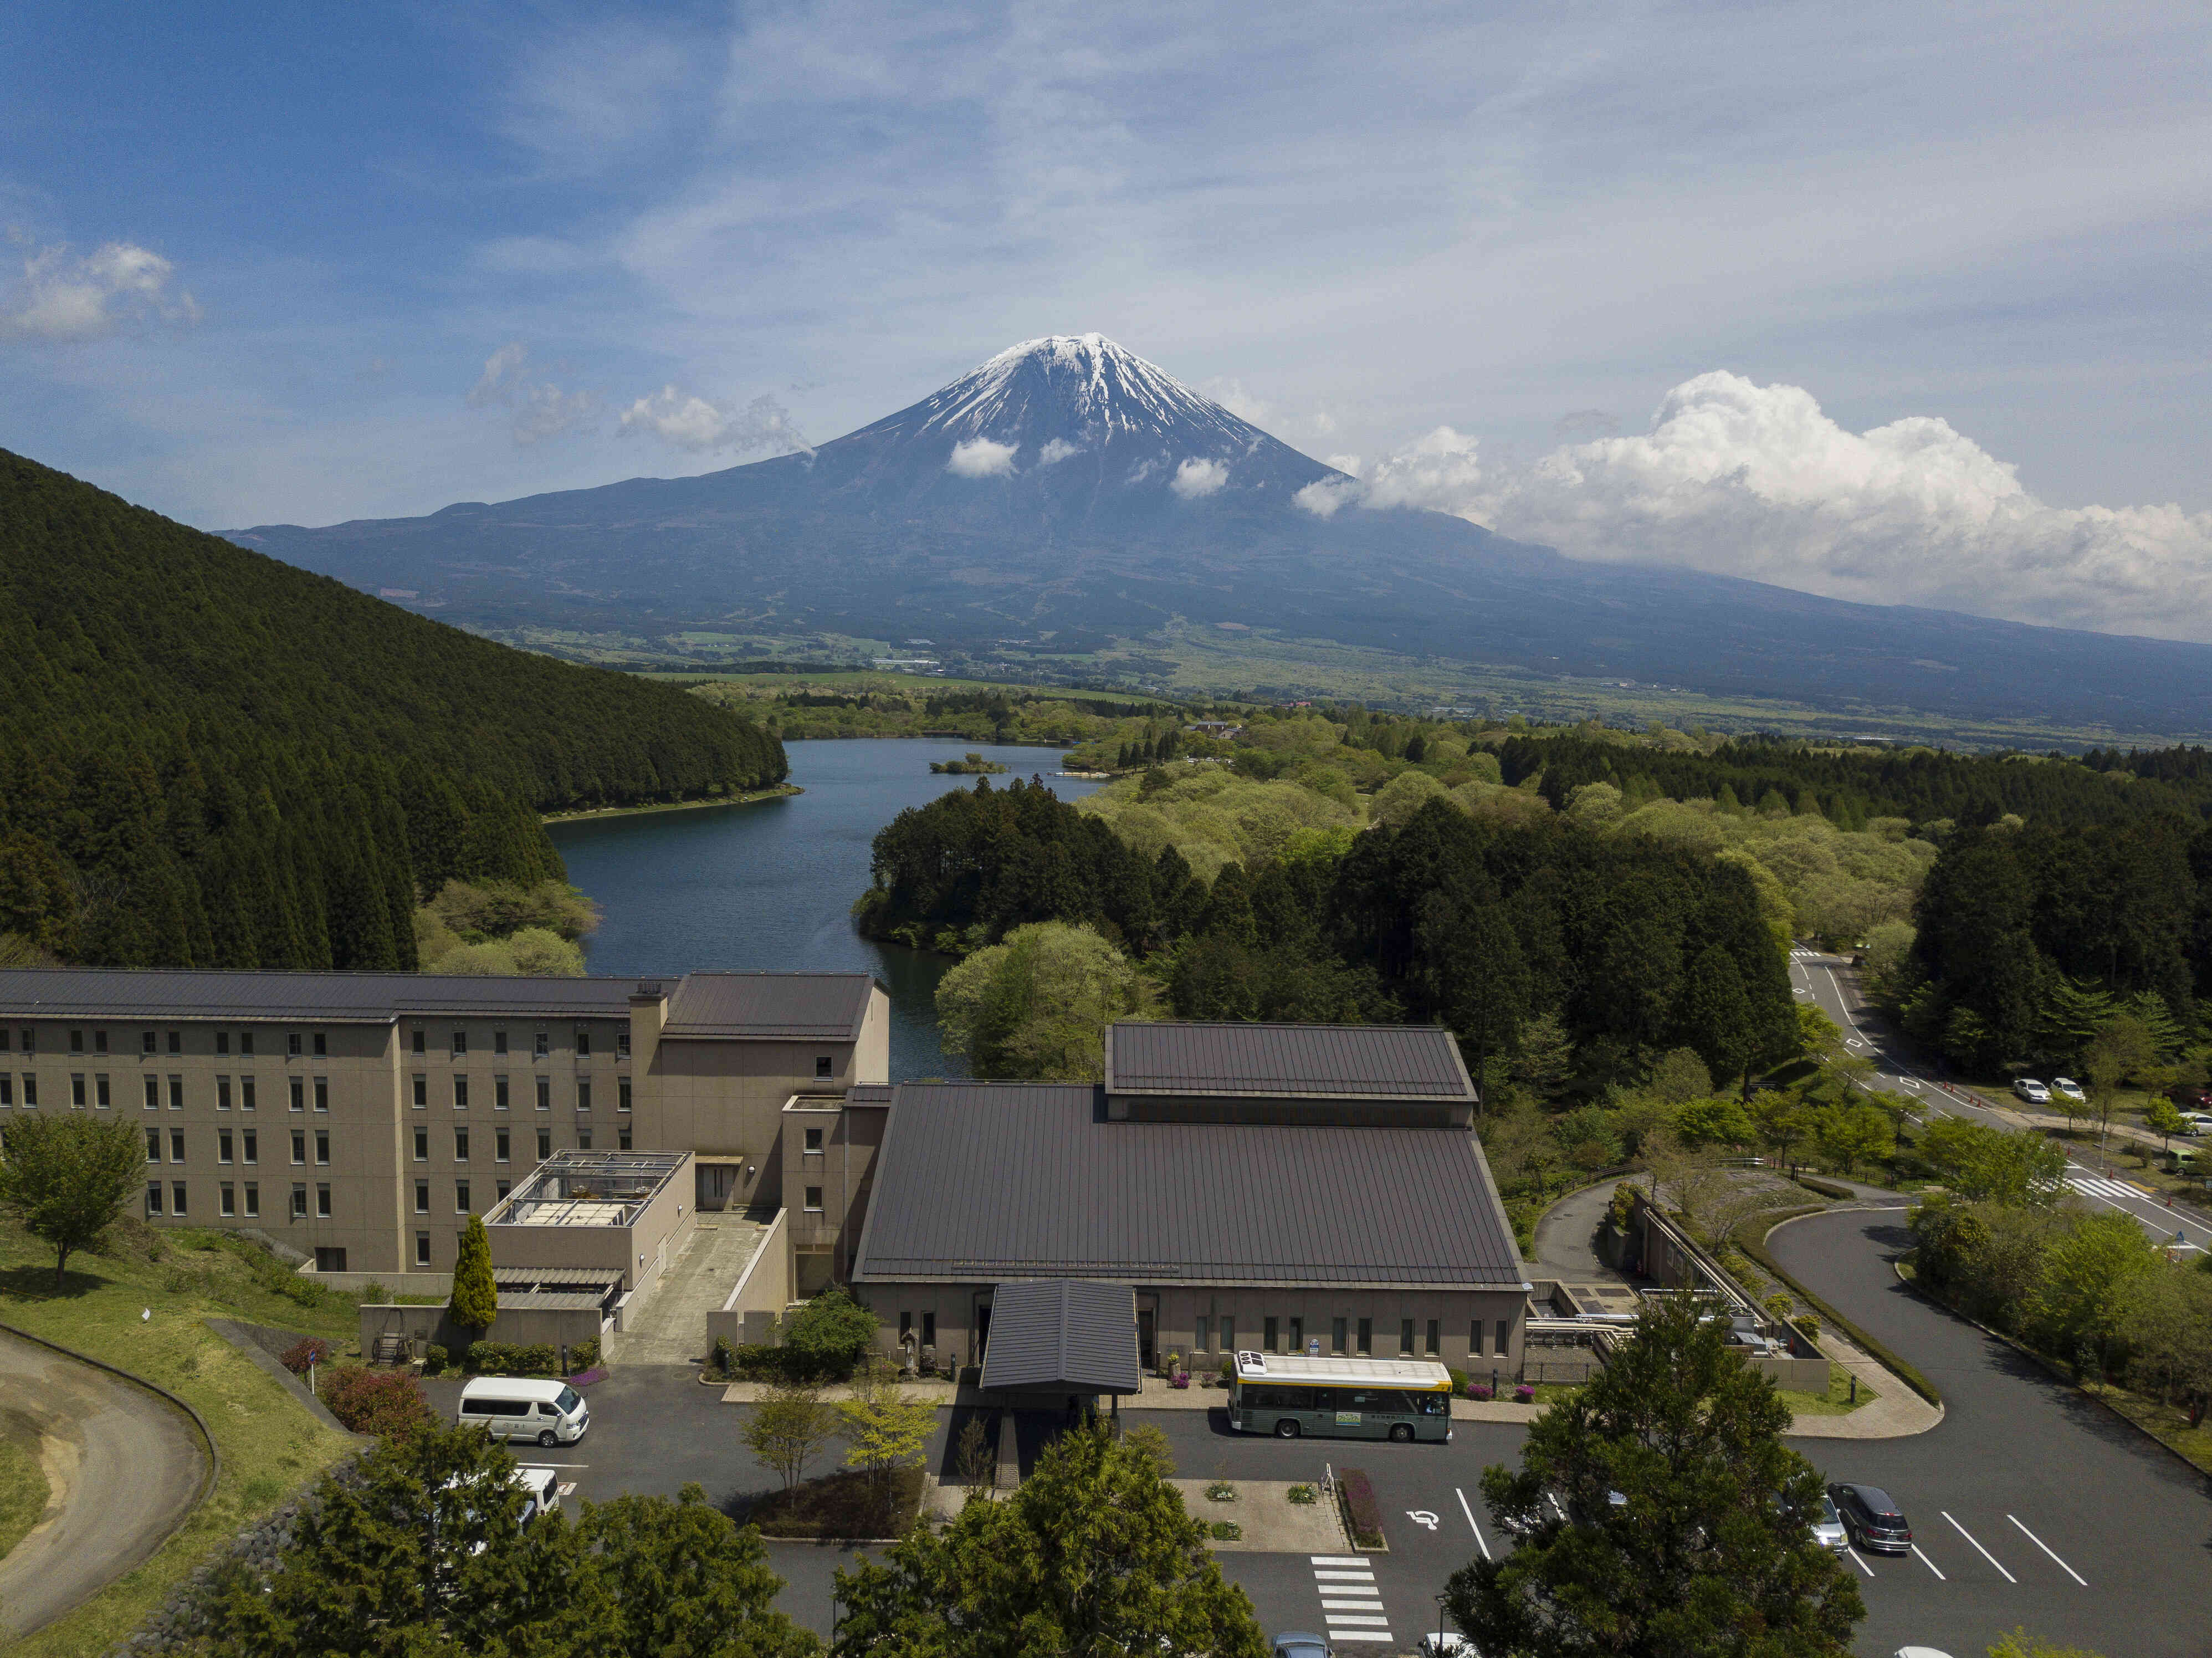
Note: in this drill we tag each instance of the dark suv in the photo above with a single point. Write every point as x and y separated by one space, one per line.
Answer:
1871 1520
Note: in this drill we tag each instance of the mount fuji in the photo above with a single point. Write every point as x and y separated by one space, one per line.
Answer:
1067 496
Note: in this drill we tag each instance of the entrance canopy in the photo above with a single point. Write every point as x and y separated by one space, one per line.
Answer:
1065 1335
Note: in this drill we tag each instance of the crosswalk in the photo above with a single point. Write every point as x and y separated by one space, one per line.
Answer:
1350 1605
2132 1201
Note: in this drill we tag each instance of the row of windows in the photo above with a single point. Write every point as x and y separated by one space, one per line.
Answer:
296 1043
177 1195
1429 1335
501 1093
541 1043
96 1090
463 1200
246 1142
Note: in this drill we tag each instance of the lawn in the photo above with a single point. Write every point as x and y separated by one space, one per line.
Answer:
269 1445
2163 1422
1836 1401
23 1492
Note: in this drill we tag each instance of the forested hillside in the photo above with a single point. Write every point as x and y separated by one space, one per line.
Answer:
210 758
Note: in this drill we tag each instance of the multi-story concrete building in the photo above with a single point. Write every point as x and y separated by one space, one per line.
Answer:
363 1117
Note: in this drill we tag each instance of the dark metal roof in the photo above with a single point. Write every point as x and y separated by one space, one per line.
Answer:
769 1004
875 1094
1327 1061
987 1181
1071 1334
338 998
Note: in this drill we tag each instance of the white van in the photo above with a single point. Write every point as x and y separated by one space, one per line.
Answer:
515 1407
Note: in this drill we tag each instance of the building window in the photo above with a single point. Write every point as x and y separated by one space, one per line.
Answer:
422 1092
252 1200
322 1045
1336 1335
323 1145
245 1093
418 1047
460 1196
499 1145
461 1043
176 1145
322 1093
621 1094
292 1042
583 1094
825 1067
813 1140
100 1041
622 1137
223 1146
1435 1336
545 1093
31 1041
246 1042
1406 1339
1298 1335
422 1197
76 1089
222 1041
584 1137
499 1042
622 1044
176 1093
153 1093
153 1197
460 1093
76 1041
176 1041
299 1202
1475 1339
1228 1333
929 1329
323 1202
298 1095
227 1200
541 1045
99 1095
299 1149
1269 1344
153 1145
330 1260
1366 1337
1504 1336
30 1091
222 1093
498 1093
814 1199
7 1089
422 1145
583 1044
1200 1334
461 1145
176 1197
906 1326
252 1147
422 1248
544 1144
501 1187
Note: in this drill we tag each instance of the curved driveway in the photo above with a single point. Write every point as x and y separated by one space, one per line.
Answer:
2031 1503
124 1468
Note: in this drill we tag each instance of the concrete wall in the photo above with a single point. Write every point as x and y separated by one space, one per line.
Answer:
637 1251
399 1284
517 1326
843 1173
756 1301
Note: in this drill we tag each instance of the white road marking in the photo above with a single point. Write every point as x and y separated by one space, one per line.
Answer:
1338 1619
1345 1577
1422 1517
1359 1635
1931 1564
1978 1548
1861 1564
1351 1605
1471 1526
1336 1559
2047 1549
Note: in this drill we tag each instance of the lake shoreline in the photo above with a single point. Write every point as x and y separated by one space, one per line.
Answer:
781 792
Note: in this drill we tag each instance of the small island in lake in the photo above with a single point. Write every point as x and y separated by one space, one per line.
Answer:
969 765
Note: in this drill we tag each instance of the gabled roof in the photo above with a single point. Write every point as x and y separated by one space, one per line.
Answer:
1286 1061
1075 1336
768 1005
980 1181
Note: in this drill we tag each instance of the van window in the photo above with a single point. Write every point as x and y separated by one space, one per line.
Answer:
569 1399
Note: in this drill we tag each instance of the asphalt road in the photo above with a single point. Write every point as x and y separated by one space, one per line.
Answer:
1814 978
124 1469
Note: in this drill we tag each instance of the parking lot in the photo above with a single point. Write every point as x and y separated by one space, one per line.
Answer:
2029 1504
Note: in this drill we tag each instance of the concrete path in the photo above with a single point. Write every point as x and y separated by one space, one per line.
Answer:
671 1327
124 1468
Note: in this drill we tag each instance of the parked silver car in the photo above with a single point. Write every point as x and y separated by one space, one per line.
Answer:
1828 1530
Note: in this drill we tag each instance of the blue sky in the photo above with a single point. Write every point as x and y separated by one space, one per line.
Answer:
282 262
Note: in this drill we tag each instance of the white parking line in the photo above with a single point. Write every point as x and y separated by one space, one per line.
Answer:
1978 1548
1931 1564
1861 1564
2047 1549
1471 1526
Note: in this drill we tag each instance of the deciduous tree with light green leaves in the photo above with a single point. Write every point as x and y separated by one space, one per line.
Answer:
2089 1276
885 1427
475 1302
65 1178
1038 1006
1092 1556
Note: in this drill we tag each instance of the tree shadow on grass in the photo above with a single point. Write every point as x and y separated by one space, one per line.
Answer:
36 1284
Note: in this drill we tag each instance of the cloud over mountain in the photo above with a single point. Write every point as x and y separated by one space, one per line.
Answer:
62 296
1756 481
698 425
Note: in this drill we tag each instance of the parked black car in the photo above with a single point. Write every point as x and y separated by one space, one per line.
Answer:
1871 1519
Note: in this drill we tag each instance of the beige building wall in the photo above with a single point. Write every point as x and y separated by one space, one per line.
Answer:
638 1251
829 1147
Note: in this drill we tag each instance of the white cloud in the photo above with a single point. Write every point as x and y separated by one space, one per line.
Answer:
1057 450
540 409
686 420
1230 394
62 297
1197 478
1755 480
980 458
1326 497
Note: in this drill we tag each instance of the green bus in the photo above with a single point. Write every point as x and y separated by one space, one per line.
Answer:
1295 1395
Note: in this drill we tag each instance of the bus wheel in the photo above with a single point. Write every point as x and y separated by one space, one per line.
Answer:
1401 1432
1286 1429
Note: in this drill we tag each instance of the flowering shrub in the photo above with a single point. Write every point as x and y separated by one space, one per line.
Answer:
387 1403
1478 1390
308 1350
1524 1394
1179 1379
1363 1513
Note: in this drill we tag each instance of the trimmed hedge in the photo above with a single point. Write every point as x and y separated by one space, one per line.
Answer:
1363 1513
1825 1189
1751 1237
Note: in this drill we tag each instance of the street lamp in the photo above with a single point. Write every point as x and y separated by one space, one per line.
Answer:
1440 1623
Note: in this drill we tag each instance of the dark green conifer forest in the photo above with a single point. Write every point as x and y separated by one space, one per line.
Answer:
209 758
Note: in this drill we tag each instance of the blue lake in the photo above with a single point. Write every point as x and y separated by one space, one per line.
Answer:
772 884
